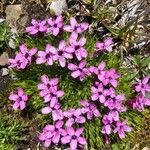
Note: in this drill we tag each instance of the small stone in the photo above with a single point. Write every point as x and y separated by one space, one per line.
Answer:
3 59
5 72
146 148
58 6
13 13
2 20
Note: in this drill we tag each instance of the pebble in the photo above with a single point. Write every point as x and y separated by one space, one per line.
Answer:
5 72
3 59
58 6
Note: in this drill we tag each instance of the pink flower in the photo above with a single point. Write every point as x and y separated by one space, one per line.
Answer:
105 46
140 102
121 128
49 90
143 86
107 121
116 103
77 46
20 99
74 138
113 116
52 133
49 55
19 62
107 77
99 92
57 115
79 71
90 109
56 25
74 27
63 53
74 116
27 53
50 108
37 26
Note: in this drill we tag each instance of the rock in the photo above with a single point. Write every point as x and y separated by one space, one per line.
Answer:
58 6
13 13
3 59
13 37
5 72
2 20
146 148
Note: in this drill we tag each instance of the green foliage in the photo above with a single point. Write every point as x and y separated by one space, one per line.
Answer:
11 129
4 30
73 88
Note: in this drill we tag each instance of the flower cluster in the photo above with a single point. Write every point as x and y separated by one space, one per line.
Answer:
20 99
142 87
72 54
105 46
57 134
23 58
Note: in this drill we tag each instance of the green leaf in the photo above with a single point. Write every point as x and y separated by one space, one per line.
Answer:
146 62
115 147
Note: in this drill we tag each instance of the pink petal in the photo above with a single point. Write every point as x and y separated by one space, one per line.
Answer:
70 131
46 110
75 74
47 143
80 119
82 41
82 64
49 127
59 124
16 105
108 42
82 140
55 31
59 19
20 92
62 61
121 134
95 97
79 131
108 129
73 22
82 27
73 145
99 46
60 93
101 66
69 122
101 98
34 22
22 105
145 80
68 28
62 45
56 138
23 49
72 67
50 61
33 51
13 97
40 61
66 139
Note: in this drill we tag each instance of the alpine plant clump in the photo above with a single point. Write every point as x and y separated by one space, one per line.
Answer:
67 127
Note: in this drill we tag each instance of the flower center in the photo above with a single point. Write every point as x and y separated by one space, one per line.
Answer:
77 47
73 137
60 53
26 55
47 56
